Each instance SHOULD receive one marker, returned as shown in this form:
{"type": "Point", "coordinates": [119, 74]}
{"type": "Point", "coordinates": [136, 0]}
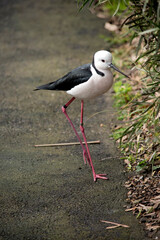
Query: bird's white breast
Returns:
{"type": "Point", "coordinates": [94, 87]}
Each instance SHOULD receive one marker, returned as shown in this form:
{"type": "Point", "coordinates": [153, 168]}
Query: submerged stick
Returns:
{"type": "Point", "coordinates": [66, 144]}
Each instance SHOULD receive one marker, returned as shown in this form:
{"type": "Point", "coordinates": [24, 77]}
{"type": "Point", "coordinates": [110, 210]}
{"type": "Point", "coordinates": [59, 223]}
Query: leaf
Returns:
{"type": "Point", "coordinates": [145, 54]}
{"type": "Point", "coordinates": [156, 197]}
{"type": "Point", "coordinates": [148, 31]}
{"type": "Point", "coordinates": [152, 228]}
{"type": "Point", "coordinates": [139, 45]}
{"type": "Point", "coordinates": [156, 167]}
{"type": "Point", "coordinates": [118, 5]}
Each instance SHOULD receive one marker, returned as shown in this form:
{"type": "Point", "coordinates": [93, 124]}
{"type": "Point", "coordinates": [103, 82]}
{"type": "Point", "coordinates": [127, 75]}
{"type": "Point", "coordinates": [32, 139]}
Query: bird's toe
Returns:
{"type": "Point", "coordinates": [100, 176]}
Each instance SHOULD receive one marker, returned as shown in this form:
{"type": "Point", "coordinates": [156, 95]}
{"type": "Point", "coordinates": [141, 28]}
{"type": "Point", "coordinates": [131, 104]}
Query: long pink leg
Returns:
{"type": "Point", "coordinates": [85, 155]}
{"type": "Point", "coordinates": [95, 176]}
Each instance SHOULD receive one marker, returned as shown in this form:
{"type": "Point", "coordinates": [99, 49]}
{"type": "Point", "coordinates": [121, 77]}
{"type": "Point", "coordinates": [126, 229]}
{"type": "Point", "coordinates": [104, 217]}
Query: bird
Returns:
{"type": "Point", "coordinates": [86, 82]}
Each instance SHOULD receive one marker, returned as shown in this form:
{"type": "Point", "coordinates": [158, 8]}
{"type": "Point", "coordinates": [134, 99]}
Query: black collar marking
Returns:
{"type": "Point", "coordinates": [97, 71]}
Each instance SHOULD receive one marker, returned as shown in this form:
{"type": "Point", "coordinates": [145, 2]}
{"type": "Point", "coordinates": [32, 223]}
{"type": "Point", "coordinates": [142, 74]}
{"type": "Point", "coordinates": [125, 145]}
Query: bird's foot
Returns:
{"type": "Point", "coordinates": [85, 156]}
{"type": "Point", "coordinates": [99, 176]}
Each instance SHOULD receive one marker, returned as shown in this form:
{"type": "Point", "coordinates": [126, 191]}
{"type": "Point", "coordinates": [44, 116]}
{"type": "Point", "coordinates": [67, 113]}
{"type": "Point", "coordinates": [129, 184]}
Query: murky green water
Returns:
{"type": "Point", "coordinates": [48, 193]}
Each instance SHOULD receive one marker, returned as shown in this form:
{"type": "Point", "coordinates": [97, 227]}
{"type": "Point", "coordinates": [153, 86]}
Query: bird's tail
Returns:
{"type": "Point", "coordinates": [48, 86]}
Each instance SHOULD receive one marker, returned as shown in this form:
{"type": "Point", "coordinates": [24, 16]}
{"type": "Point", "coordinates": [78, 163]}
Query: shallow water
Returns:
{"type": "Point", "coordinates": [48, 193]}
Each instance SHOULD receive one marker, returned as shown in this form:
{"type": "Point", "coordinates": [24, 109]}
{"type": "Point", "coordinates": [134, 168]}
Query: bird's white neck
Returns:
{"type": "Point", "coordinates": [101, 73]}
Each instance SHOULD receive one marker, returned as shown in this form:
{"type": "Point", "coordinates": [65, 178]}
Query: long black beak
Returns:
{"type": "Point", "coordinates": [115, 68]}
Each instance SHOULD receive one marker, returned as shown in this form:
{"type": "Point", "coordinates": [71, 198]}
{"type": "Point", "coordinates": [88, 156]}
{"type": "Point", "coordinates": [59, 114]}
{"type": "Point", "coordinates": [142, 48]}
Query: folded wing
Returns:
{"type": "Point", "coordinates": [75, 77]}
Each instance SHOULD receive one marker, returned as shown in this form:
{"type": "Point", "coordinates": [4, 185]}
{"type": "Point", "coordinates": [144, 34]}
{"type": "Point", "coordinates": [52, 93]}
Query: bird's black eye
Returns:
{"type": "Point", "coordinates": [103, 60]}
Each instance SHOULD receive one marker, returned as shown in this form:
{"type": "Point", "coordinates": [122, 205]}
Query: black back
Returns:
{"type": "Point", "coordinates": [75, 77]}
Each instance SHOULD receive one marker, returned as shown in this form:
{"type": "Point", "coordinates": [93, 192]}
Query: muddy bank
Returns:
{"type": "Point", "coordinates": [48, 193]}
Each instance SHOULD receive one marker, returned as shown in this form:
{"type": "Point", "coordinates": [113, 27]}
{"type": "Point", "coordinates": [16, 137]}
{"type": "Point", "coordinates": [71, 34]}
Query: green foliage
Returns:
{"type": "Point", "coordinates": [140, 138]}
{"type": "Point", "coordinates": [122, 93]}
{"type": "Point", "coordinates": [113, 41]}
{"type": "Point", "coordinates": [145, 24]}
{"type": "Point", "coordinates": [114, 6]}
{"type": "Point", "coordinates": [142, 132]}
{"type": "Point", "coordinates": [117, 134]}
{"type": "Point", "coordinates": [83, 3]}
{"type": "Point", "coordinates": [141, 165]}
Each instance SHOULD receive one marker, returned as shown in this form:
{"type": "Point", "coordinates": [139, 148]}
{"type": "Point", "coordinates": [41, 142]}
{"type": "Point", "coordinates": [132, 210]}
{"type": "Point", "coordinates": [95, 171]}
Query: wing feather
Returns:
{"type": "Point", "coordinates": [75, 77]}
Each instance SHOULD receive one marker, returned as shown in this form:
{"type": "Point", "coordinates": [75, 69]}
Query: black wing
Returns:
{"type": "Point", "coordinates": [75, 77]}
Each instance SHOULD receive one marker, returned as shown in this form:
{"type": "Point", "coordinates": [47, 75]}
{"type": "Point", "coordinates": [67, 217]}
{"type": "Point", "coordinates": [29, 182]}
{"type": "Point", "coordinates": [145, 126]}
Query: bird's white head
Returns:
{"type": "Point", "coordinates": [102, 60]}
